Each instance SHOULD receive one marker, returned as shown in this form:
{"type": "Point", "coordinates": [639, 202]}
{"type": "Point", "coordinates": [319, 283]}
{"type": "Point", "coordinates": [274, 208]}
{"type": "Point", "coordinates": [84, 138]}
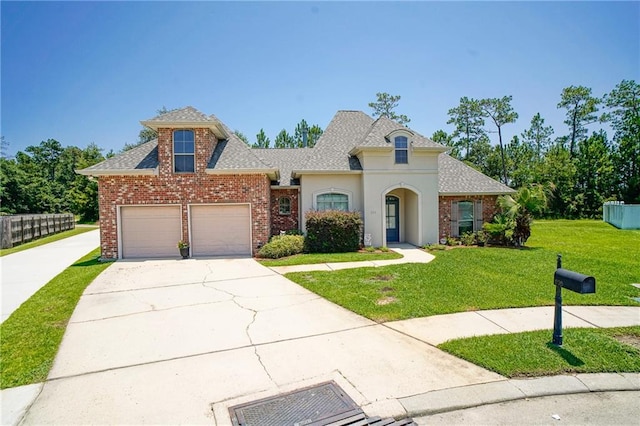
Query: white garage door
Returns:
{"type": "Point", "coordinates": [150, 231]}
{"type": "Point", "coordinates": [221, 230]}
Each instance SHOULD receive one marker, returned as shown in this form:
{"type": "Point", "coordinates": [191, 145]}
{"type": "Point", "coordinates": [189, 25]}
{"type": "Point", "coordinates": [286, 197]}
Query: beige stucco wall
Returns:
{"type": "Point", "coordinates": [415, 184]}
{"type": "Point", "coordinates": [311, 185]}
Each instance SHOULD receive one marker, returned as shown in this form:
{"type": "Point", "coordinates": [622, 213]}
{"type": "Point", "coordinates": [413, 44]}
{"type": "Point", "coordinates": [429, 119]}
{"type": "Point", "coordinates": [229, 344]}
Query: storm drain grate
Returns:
{"type": "Point", "coordinates": [317, 405]}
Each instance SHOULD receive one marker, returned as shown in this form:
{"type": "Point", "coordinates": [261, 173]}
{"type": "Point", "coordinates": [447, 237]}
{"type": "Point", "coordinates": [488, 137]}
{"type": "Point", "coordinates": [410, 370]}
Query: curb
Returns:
{"type": "Point", "coordinates": [452, 399]}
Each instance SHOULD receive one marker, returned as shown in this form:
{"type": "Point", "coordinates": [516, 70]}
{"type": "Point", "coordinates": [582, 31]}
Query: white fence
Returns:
{"type": "Point", "coordinates": [18, 229]}
{"type": "Point", "coordinates": [620, 215]}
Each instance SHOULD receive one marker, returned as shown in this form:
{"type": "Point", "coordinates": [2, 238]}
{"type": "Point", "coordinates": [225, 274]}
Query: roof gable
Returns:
{"type": "Point", "coordinates": [187, 117]}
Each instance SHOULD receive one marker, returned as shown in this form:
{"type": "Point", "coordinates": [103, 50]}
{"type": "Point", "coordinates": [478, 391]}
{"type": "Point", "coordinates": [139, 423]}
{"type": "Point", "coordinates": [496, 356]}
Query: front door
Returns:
{"type": "Point", "coordinates": [393, 219]}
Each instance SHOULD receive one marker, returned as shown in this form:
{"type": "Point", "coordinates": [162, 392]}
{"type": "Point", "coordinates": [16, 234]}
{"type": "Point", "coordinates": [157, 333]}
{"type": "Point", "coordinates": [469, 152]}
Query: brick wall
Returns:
{"type": "Point", "coordinates": [182, 189]}
{"type": "Point", "coordinates": [489, 209]}
{"type": "Point", "coordinates": [280, 222]}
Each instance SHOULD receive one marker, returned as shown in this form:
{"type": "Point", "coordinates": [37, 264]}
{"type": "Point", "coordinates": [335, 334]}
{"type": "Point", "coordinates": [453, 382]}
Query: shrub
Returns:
{"type": "Point", "coordinates": [452, 241]}
{"type": "Point", "coordinates": [432, 247]}
{"type": "Point", "coordinates": [281, 246]}
{"type": "Point", "coordinates": [332, 231]}
{"type": "Point", "coordinates": [500, 231]}
{"type": "Point", "coordinates": [468, 239]}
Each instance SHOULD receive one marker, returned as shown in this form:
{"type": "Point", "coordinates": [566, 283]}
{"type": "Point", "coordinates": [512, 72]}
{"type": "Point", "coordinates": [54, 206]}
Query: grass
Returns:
{"type": "Point", "coordinates": [469, 279]}
{"type": "Point", "coordinates": [584, 350]}
{"type": "Point", "coordinates": [314, 258]}
{"type": "Point", "coordinates": [47, 239]}
{"type": "Point", "coordinates": [32, 334]}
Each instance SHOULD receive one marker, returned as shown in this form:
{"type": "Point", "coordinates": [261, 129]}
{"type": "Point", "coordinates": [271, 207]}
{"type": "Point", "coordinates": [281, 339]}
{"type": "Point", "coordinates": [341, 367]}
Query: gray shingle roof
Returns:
{"type": "Point", "coordinates": [183, 115]}
{"type": "Point", "coordinates": [234, 154]}
{"type": "Point", "coordinates": [331, 152]}
{"type": "Point", "coordinates": [347, 130]}
{"type": "Point", "coordinates": [285, 160]}
{"type": "Point", "coordinates": [375, 137]}
{"type": "Point", "coordinates": [455, 177]}
{"type": "Point", "coordinates": [142, 159]}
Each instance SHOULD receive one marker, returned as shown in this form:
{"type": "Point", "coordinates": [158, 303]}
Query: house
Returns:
{"type": "Point", "coordinates": [199, 182]}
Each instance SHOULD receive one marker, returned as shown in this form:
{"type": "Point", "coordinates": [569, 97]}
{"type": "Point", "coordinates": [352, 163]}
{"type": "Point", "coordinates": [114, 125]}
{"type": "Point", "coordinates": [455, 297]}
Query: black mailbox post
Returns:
{"type": "Point", "coordinates": [573, 281]}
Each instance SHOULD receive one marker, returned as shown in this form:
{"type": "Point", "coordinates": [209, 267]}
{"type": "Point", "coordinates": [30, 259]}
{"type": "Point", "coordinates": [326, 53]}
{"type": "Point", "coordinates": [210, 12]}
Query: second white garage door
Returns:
{"type": "Point", "coordinates": [220, 230]}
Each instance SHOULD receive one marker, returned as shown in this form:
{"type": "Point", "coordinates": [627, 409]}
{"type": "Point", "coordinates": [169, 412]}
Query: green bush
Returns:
{"type": "Point", "coordinates": [468, 239]}
{"type": "Point", "coordinates": [281, 246]}
{"type": "Point", "coordinates": [332, 231]}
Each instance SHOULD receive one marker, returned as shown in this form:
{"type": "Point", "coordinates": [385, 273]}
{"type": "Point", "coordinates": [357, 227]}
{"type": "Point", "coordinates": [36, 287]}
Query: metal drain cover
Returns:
{"type": "Point", "coordinates": [317, 405]}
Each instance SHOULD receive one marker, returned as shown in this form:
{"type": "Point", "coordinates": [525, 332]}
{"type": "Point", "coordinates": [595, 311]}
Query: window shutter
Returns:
{"type": "Point", "coordinates": [477, 216]}
{"type": "Point", "coordinates": [454, 219]}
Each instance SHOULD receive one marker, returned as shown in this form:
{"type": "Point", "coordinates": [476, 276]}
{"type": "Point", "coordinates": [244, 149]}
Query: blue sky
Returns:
{"type": "Point", "coordinates": [83, 72]}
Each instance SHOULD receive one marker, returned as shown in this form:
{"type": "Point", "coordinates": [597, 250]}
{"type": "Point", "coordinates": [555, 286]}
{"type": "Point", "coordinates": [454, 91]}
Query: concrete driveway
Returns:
{"type": "Point", "coordinates": [178, 341]}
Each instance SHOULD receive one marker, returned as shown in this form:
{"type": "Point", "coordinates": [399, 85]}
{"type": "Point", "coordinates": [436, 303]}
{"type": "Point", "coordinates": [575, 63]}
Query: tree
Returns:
{"type": "Point", "coordinates": [315, 132]}
{"type": "Point", "coordinates": [521, 160]}
{"type": "Point", "coordinates": [624, 114]}
{"type": "Point", "coordinates": [242, 136]}
{"type": "Point", "coordinates": [500, 111]}
{"type": "Point", "coordinates": [146, 134]}
{"type": "Point", "coordinates": [558, 172]}
{"type": "Point", "coordinates": [527, 202]}
{"type": "Point", "coordinates": [581, 110]}
{"type": "Point", "coordinates": [467, 117]}
{"type": "Point", "coordinates": [298, 134]}
{"type": "Point", "coordinates": [595, 181]}
{"type": "Point", "coordinates": [46, 155]}
{"type": "Point", "coordinates": [283, 140]}
{"type": "Point", "coordinates": [262, 141]}
{"type": "Point", "coordinates": [446, 139]}
{"type": "Point", "coordinates": [538, 136]}
{"type": "Point", "coordinates": [4, 147]}
{"type": "Point", "coordinates": [385, 105]}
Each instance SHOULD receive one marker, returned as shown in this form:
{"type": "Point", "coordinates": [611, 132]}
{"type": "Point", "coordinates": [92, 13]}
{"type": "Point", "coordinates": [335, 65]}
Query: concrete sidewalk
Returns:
{"type": "Point", "coordinates": [25, 272]}
{"type": "Point", "coordinates": [410, 254]}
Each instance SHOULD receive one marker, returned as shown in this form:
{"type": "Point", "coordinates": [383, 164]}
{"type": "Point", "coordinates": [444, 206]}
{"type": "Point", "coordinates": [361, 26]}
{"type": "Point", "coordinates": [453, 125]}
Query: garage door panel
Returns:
{"type": "Point", "coordinates": [150, 231]}
{"type": "Point", "coordinates": [220, 230]}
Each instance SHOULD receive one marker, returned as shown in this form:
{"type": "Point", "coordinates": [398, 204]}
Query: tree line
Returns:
{"type": "Point", "coordinates": [578, 170]}
{"type": "Point", "coordinates": [43, 180]}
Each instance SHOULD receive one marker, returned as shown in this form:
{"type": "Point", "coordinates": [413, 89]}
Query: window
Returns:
{"type": "Point", "coordinates": [284, 205]}
{"type": "Point", "coordinates": [465, 215]}
{"type": "Point", "coordinates": [402, 153]}
{"type": "Point", "coordinates": [183, 151]}
{"type": "Point", "coordinates": [332, 201]}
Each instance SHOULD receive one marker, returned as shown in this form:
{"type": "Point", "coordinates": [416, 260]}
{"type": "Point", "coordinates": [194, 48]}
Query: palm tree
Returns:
{"type": "Point", "coordinates": [527, 202]}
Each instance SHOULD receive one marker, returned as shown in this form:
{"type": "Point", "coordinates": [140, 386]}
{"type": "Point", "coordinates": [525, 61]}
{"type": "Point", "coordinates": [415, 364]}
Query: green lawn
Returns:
{"type": "Point", "coordinates": [309, 259]}
{"type": "Point", "coordinates": [584, 350]}
{"type": "Point", "coordinates": [468, 279]}
{"type": "Point", "coordinates": [47, 239]}
{"type": "Point", "coordinates": [32, 334]}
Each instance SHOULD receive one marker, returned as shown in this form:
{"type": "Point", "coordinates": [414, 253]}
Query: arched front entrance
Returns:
{"type": "Point", "coordinates": [401, 222]}
{"type": "Point", "coordinates": [392, 211]}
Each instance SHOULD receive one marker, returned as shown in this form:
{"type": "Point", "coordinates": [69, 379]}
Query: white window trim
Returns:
{"type": "Point", "coordinates": [173, 153]}
{"type": "Point", "coordinates": [279, 205]}
{"type": "Point", "coordinates": [346, 192]}
{"type": "Point", "coordinates": [396, 149]}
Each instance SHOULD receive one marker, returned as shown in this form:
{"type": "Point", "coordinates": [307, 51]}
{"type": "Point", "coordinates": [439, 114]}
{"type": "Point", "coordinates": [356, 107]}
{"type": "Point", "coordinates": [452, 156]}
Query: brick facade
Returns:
{"type": "Point", "coordinates": [182, 189]}
{"type": "Point", "coordinates": [284, 222]}
{"type": "Point", "coordinates": [489, 209]}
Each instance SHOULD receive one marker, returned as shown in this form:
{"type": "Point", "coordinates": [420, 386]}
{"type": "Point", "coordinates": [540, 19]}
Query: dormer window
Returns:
{"type": "Point", "coordinates": [401, 144]}
{"type": "Point", "coordinates": [183, 151]}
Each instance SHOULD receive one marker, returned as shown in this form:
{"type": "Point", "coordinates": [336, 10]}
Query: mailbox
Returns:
{"type": "Point", "coordinates": [574, 281]}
